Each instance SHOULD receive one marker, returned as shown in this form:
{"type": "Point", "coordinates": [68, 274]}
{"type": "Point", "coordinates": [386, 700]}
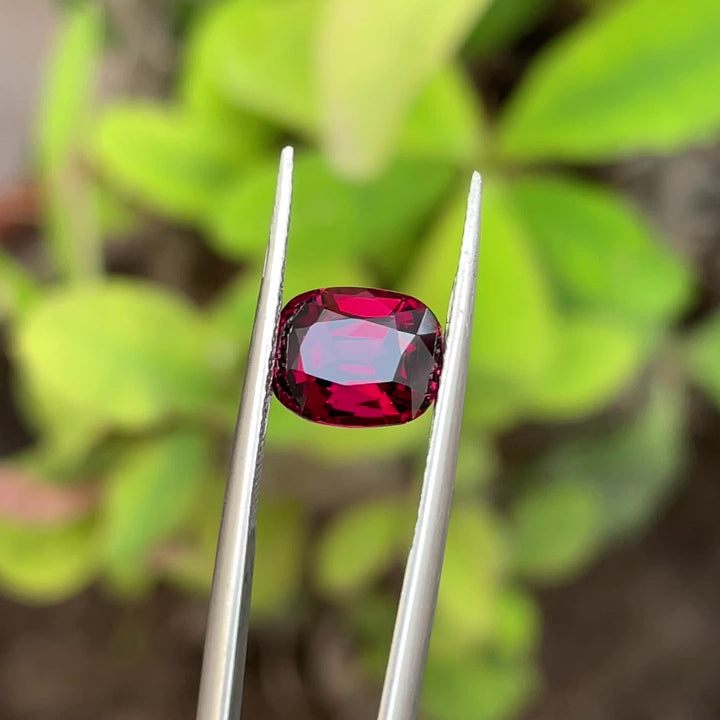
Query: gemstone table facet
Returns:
{"type": "Point", "coordinates": [357, 357]}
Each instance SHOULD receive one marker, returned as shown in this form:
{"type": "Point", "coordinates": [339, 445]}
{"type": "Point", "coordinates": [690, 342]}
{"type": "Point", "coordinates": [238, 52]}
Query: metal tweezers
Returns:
{"type": "Point", "coordinates": [221, 684]}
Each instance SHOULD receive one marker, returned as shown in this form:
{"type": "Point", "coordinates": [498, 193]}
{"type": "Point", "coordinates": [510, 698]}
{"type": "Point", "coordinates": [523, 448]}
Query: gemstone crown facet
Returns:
{"type": "Point", "coordinates": [357, 357]}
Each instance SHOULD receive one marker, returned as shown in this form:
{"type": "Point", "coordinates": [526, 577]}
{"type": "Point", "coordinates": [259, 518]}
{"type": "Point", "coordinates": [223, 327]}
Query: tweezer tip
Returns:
{"type": "Point", "coordinates": [287, 154]}
{"type": "Point", "coordinates": [472, 219]}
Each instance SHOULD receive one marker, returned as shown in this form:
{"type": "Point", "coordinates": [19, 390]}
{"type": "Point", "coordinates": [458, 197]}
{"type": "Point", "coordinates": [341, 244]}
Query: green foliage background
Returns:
{"type": "Point", "coordinates": [131, 388]}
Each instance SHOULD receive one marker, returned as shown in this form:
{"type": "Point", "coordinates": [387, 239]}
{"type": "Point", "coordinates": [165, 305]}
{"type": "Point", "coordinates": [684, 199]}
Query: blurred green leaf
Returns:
{"type": "Point", "coordinates": [359, 545]}
{"type": "Point", "coordinates": [373, 619]}
{"type": "Point", "coordinates": [18, 290]}
{"type": "Point", "coordinates": [47, 564]}
{"type": "Point", "coordinates": [558, 527]}
{"type": "Point", "coordinates": [491, 402]}
{"type": "Point", "coordinates": [631, 79]}
{"type": "Point", "coordinates": [116, 216]}
{"type": "Point", "coordinates": [482, 689]}
{"type": "Point", "coordinates": [636, 469]}
{"type": "Point", "coordinates": [129, 582]}
{"type": "Point", "coordinates": [477, 463]}
{"type": "Point", "coordinates": [632, 469]}
{"type": "Point", "coordinates": [261, 58]}
{"type": "Point", "coordinates": [332, 217]}
{"type": "Point", "coordinates": [475, 557]}
{"type": "Point", "coordinates": [595, 359]}
{"type": "Point", "coordinates": [70, 202]}
{"type": "Point", "coordinates": [705, 357]}
{"type": "Point", "coordinates": [70, 85]}
{"type": "Point", "coordinates": [328, 444]}
{"type": "Point", "coordinates": [394, 49]}
{"type": "Point", "coordinates": [257, 54]}
{"type": "Point", "coordinates": [230, 321]}
{"type": "Point", "coordinates": [62, 446]}
{"type": "Point", "coordinates": [514, 317]}
{"type": "Point", "coordinates": [201, 95]}
{"type": "Point", "coordinates": [279, 556]}
{"type": "Point", "coordinates": [72, 224]}
{"type": "Point", "coordinates": [445, 122]}
{"type": "Point", "coordinates": [503, 22]}
{"type": "Point", "coordinates": [599, 252]}
{"type": "Point", "coordinates": [123, 353]}
{"type": "Point", "coordinates": [150, 492]}
{"type": "Point", "coordinates": [167, 158]}
{"type": "Point", "coordinates": [517, 624]}
{"type": "Point", "coordinates": [189, 563]}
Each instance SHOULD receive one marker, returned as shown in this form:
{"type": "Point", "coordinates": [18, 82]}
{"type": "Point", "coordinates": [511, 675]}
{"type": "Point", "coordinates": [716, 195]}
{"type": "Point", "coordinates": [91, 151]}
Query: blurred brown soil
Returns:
{"type": "Point", "coordinates": [637, 638]}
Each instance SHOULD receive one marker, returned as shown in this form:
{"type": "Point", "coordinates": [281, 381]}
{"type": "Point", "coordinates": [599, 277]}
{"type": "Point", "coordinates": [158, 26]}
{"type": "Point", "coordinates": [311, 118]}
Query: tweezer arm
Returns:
{"type": "Point", "coordinates": [411, 639]}
{"type": "Point", "coordinates": [221, 682]}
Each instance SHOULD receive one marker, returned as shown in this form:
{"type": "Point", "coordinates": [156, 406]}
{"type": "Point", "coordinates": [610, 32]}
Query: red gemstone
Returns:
{"type": "Point", "coordinates": [357, 357]}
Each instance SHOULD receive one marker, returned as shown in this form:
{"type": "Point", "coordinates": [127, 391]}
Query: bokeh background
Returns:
{"type": "Point", "coordinates": [139, 142]}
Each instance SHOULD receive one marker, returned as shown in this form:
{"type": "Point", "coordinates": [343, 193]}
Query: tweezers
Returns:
{"type": "Point", "coordinates": [222, 677]}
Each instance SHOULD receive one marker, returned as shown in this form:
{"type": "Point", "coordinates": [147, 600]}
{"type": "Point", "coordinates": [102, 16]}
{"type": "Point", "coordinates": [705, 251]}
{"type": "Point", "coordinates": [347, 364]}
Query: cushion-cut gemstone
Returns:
{"type": "Point", "coordinates": [357, 357]}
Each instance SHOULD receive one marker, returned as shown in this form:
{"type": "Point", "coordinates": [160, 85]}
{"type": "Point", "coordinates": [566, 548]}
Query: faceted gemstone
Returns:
{"type": "Point", "coordinates": [357, 357]}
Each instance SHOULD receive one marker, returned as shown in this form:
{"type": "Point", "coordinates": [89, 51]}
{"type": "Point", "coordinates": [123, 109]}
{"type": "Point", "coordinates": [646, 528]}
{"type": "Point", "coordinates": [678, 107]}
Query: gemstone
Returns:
{"type": "Point", "coordinates": [357, 357]}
